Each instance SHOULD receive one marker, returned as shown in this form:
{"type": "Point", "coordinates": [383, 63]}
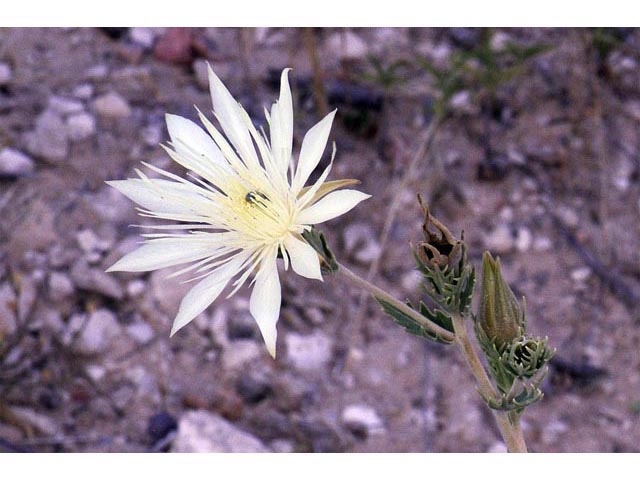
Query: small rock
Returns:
{"type": "Point", "coordinates": [43, 423]}
{"type": "Point", "coordinates": [523, 239]}
{"type": "Point", "coordinates": [282, 446]}
{"type": "Point", "coordinates": [201, 72]}
{"type": "Point", "coordinates": [410, 281]}
{"type": "Point", "coordinates": [28, 292]}
{"type": "Point", "coordinates": [87, 240]}
{"type": "Point", "coordinates": [141, 332]}
{"type": "Point", "coordinates": [253, 388]}
{"type": "Point", "coordinates": [361, 241]}
{"type": "Point", "coordinates": [51, 320]}
{"type": "Point", "coordinates": [240, 353]}
{"type": "Point", "coordinates": [112, 105]}
{"type": "Point", "coordinates": [241, 325]}
{"type": "Point", "coordinates": [309, 352]}
{"type": "Point", "coordinates": [74, 325]}
{"type": "Point", "coordinates": [461, 102]}
{"type": "Point", "coordinates": [14, 163]}
{"type": "Point", "coordinates": [123, 396]}
{"type": "Point", "coordinates": [49, 138]}
{"type": "Point", "coordinates": [553, 430]}
{"type": "Point", "coordinates": [143, 36]}
{"type": "Point", "coordinates": [322, 436]}
{"type": "Point", "coordinates": [175, 46]}
{"type": "Point", "coordinates": [6, 73]}
{"type": "Point", "coordinates": [160, 425]}
{"type": "Point", "coordinates": [83, 91]}
{"type": "Point", "coordinates": [95, 280]}
{"type": "Point", "coordinates": [60, 286]}
{"type": "Point", "coordinates": [569, 216]}
{"type": "Point", "coordinates": [506, 213]}
{"type": "Point", "coordinates": [168, 292]}
{"type": "Point", "coordinates": [347, 45]}
{"type": "Point", "coordinates": [202, 432]}
{"type": "Point", "coordinates": [131, 53]}
{"type": "Point", "coordinates": [580, 274]}
{"type": "Point", "coordinates": [152, 135]}
{"type": "Point", "coordinates": [81, 126]}
{"type": "Point", "coordinates": [8, 306]}
{"type": "Point", "coordinates": [101, 329]}
{"type": "Point", "coordinates": [95, 372]}
{"type": "Point", "coordinates": [542, 244]}
{"type": "Point", "coordinates": [65, 106]}
{"type": "Point", "coordinates": [498, 447]}
{"type": "Point", "coordinates": [315, 315]}
{"type": "Point", "coordinates": [97, 72]}
{"type": "Point", "coordinates": [500, 40]}
{"type": "Point", "coordinates": [500, 240]}
{"type": "Point", "coordinates": [136, 287]}
{"type": "Point", "coordinates": [362, 420]}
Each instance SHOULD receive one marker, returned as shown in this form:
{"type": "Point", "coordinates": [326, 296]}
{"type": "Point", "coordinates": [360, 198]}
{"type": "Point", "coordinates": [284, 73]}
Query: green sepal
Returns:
{"type": "Point", "coordinates": [450, 288]}
{"type": "Point", "coordinates": [317, 240]}
{"type": "Point", "coordinates": [518, 368]}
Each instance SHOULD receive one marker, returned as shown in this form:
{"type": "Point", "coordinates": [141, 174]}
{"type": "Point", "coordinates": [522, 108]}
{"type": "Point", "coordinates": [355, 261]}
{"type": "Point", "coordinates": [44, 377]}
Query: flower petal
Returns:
{"type": "Point", "coordinates": [282, 124]}
{"type": "Point", "coordinates": [228, 112]}
{"type": "Point", "coordinates": [304, 259]}
{"type": "Point", "coordinates": [162, 253]}
{"type": "Point", "coordinates": [264, 304]}
{"type": "Point", "coordinates": [313, 146]}
{"type": "Point", "coordinates": [189, 139]}
{"type": "Point", "coordinates": [205, 292]}
{"type": "Point", "coordinates": [331, 206]}
{"type": "Point", "coordinates": [163, 196]}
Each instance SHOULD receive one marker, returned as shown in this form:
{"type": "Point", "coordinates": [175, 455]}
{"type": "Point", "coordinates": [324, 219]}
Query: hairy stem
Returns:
{"type": "Point", "coordinates": [509, 425]}
{"type": "Point", "coordinates": [383, 295]}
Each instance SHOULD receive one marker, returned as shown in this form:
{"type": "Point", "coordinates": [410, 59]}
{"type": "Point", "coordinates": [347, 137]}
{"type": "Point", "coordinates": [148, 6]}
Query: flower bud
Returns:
{"type": "Point", "coordinates": [440, 248]}
{"type": "Point", "coordinates": [500, 315]}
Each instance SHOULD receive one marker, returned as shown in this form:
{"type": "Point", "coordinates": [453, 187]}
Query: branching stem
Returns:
{"type": "Point", "coordinates": [508, 423]}
{"type": "Point", "coordinates": [383, 295]}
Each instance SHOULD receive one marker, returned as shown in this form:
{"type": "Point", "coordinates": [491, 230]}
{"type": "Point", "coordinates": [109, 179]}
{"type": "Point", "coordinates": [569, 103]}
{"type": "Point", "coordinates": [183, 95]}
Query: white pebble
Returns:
{"type": "Point", "coordinates": [112, 105]}
{"type": "Point", "coordinates": [580, 274]}
{"type": "Point", "coordinates": [15, 163]}
{"type": "Point", "coordinates": [81, 126]}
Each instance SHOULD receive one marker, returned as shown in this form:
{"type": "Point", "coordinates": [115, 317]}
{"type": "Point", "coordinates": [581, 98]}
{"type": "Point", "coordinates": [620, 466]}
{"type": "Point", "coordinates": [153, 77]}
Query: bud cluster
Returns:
{"type": "Point", "coordinates": [517, 362]}
{"type": "Point", "coordinates": [449, 278]}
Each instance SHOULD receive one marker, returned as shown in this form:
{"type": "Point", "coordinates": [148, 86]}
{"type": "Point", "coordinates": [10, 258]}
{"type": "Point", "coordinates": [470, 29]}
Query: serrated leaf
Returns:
{"type": "Point", "coordinates": [437, 316]}
{"type": "Point", "coordinates": [408, 323]}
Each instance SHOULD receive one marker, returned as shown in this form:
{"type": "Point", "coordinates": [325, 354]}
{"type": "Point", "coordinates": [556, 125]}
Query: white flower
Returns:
{"type": "Point", "coordinates": [245, 204]}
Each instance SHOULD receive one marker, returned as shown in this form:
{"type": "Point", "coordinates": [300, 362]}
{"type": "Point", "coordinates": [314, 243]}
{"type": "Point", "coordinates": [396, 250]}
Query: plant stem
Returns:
{"type": "Point", "coordinates": [509, 424]}
{"type": "Point", "coordinates": [381, 294]}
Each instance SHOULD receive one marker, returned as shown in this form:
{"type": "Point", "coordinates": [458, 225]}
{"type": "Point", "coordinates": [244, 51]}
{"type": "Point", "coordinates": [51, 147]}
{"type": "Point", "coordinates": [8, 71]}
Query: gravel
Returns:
{"type": "Point", "coordinates": [204, 432]}
{"type": "Point", "coordinates": [14, 163]}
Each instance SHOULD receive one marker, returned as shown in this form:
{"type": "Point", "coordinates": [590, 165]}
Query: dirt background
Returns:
{"type": "Point", "coordinates": [541, 167]}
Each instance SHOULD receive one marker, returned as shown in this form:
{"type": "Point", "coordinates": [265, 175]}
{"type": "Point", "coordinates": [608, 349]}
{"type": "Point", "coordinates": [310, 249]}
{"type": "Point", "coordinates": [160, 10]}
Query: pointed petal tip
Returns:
{"type": "Point", "coordinates": [116, 267]}
{"type": "Point", "coordinates": [174, 330]}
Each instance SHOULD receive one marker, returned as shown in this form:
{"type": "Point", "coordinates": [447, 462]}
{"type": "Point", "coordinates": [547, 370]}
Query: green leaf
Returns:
{"type": "Point", "coordinates": [410, 324]}
{"type": "Point", "coordinates": [437, 316]}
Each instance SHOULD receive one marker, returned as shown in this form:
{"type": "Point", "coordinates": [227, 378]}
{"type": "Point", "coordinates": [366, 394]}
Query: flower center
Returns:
{"type": "Point", "coordinates": [259, 216]}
